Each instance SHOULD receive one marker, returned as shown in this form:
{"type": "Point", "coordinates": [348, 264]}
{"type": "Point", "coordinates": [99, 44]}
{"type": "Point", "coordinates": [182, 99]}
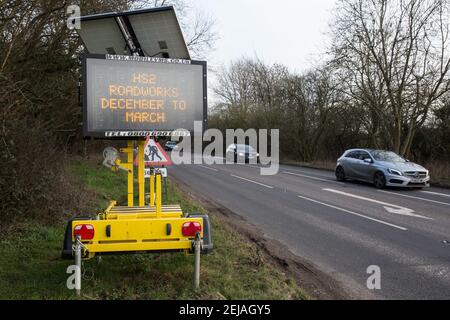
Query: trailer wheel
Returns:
{"type": "Point", "coordinates": [67, 253]}
{"type": "Point", "coordinates": [207, 246]}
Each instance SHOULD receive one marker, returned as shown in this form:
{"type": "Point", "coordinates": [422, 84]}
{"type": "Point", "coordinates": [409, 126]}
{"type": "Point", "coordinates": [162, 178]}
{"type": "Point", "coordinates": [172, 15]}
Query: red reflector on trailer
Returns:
{"type": "Point", "coordinates": [191, 228]}
{"type": "Point", "coordinates": [84, 231]}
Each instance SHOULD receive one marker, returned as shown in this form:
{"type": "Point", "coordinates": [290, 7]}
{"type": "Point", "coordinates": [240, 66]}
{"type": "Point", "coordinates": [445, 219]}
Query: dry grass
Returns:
{"type": "Point", "coordinates": [317, 164]}
{"type": "Point", "coordinates": [31, 267]}
{"type": "Point", "coordinates": [440, 172]}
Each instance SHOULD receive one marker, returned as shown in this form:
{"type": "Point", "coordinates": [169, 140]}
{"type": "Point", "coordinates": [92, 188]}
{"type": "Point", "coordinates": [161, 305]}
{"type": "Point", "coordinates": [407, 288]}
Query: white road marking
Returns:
{"type": "Point", "coordinates": [312, 171]}
{"type": "Point", "coordinates": [354, 213]}
{"type": "Point", "coordinates": [251, 166]}
{"type": "Point", "coordinates": [392, 208]}
{"type": "Point", "coordinates": [423, 199]}
{"type": "Point", "coordinates": [437, 193]}
{"type": "Point", "coordinates": [311, 177]}
{"type": "Point", "coordinates": [212, 169]}
{"type": "Point", "coordinates": [261, 184]}
{"type": "Point", "coordinates": [244, 165]}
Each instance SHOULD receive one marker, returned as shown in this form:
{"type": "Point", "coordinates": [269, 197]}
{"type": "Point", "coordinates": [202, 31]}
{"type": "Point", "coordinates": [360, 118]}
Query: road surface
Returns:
{"type": "Point", "coordinates": [341, 228]}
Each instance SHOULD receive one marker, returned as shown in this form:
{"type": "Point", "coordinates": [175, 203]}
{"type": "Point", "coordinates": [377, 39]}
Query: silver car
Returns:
{"type": "Point", "coordinates": [382, 168]}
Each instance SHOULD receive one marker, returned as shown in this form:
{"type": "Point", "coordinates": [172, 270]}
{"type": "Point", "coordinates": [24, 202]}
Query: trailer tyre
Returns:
{"type": "Point", "coordinates": [207, 238]}
{"type": "Point", "coordinates": [67, 245]}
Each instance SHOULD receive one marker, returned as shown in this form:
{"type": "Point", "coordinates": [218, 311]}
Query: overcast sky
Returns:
{"type": "Point", "coordinates": [292, 32]}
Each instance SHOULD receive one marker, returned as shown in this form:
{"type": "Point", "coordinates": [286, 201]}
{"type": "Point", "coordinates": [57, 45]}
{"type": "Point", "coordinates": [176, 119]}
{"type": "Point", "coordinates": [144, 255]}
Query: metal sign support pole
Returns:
{"type": "Point", "coordinates": [130, 174]}
{"type": "Point", "coordinates": [77, 253]}
{"type": "Point", "coordinates": [158, 195]}
{"type": "Point", "coordinates": [197, 248]}
{"type": "Point", "coordinates": [141, 169]}
{"type": "Point", "coordinates": [152, 187]}
{"type": "Point", "coordinates": [165, 188]}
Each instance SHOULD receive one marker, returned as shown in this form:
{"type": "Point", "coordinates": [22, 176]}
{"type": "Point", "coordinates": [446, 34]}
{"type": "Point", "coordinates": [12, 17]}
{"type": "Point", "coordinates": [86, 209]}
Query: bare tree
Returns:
{"type": "Point", "coordinates": [394, 59]}
{"type": "Point", "coordinates": [311, 100]}
{"type": "Point", "coordinates": [38, 105]}
{"type": "Point", "coordinates": [255, 95]}
{"type": "Point", "coordinates": [200, 28]}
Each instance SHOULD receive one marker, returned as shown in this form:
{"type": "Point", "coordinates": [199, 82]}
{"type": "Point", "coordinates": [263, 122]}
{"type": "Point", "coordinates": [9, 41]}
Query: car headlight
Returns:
{"type": "Point", "coordinates": [241, 154]}
{"type": "Point", "coordinates": [396, 172]}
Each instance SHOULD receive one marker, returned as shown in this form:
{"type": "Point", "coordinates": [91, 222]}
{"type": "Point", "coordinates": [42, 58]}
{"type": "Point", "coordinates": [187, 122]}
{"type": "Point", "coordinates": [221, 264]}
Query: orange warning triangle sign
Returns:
{"type": "Point", "coordinates": [154, 155]}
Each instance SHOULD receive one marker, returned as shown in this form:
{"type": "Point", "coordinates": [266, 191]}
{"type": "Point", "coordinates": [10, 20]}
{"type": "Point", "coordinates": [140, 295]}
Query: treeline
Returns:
{"type": "Point", "coordinates": [40, 116]}
{"type": "Point", "coordinates": [385, 84]}
{"type": "Point", "coordinates": [40, 113]}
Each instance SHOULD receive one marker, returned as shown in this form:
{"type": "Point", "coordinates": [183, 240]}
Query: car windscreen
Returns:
{"type": "Point", "coordinates": [388, 156]}
{"type": "Point", "coordinates": [244, 148]}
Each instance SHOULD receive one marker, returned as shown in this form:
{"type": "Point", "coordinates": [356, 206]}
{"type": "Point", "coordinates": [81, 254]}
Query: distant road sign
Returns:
{"type": "Point", "coordinates": [154, 155]}
{"type": "Point", "coordinates": [130, 97]}
{"type": "Point", "coordinates": [162, 171]}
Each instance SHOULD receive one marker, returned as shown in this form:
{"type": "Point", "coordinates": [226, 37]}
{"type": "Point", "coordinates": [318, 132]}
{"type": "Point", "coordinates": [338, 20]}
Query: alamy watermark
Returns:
{"type": "Point", "coordinates": [74, 280]}
{"type": "Point", "coordinates": [253, 146]}
{"type": "Point", "coordinates": [374, 280]}
{"type": "Point", "coordinates": [74, 13]}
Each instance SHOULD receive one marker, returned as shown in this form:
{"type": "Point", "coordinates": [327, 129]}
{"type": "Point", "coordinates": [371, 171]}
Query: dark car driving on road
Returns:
{"type": "Point", "coordinates": [382, 168]}
{"type": "Point", "coordinates": [241, 153]}
{"type": "Point", "coordinates": [170, 145]}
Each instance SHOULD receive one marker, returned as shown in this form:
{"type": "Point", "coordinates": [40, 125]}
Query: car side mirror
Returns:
{"type": "Point", "coordinates": [368, 160]}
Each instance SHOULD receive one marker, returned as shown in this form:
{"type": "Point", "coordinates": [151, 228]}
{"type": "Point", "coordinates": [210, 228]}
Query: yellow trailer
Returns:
{"type": "Point", "coordinates": [117, 58]}
{"type": "Point", "coordinates": [144, 228]}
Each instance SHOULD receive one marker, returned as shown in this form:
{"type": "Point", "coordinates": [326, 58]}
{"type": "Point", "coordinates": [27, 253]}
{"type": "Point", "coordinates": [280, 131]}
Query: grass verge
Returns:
{"type": "Point", "coordinates": [31, 268]}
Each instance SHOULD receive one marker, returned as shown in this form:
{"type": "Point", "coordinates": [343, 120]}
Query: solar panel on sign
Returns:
{"type": "Point", "coordinates": [154, 29]}
{"type": "Point", "coordinates": [154, 32]}
{"type": "Point", "coordinates": [103, 36]}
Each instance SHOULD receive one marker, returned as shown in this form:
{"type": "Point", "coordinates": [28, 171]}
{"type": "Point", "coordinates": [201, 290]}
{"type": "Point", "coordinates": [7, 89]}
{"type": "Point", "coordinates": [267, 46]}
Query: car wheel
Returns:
{"type": "Point", "coordinates": [379, 180]}
{"type": "Point", "coordinates": [340, 174]}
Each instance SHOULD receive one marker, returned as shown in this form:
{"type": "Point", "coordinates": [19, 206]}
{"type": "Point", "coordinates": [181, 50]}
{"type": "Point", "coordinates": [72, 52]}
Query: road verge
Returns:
{"type": "Point", "coordinates": [31, 266]}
